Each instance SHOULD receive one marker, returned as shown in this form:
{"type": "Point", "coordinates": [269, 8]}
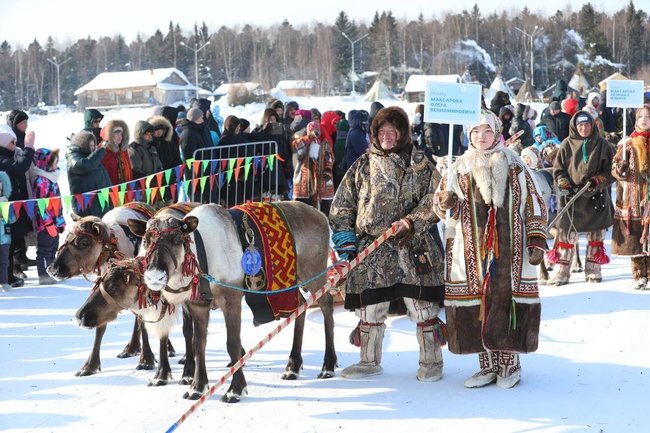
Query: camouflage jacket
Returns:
{"type": "Point", "coordinates": [376, 191]}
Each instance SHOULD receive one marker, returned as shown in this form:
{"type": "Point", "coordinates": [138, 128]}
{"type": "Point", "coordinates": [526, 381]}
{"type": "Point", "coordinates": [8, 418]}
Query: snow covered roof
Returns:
{"type": "Point", "coordinates": [296, 84]}
{"type": "Point", "coordinates": [225, 87]}
{"type": "Point", "coordinates": [418, 83]}
{"type": "Point", "coordinates": [615, 76]}
{"type": "Point", "coordinates": [145, 78]}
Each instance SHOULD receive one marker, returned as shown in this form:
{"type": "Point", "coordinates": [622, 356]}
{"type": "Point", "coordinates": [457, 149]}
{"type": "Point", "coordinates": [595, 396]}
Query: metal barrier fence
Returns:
{"type": "Point", "coordinates": [238, 173]}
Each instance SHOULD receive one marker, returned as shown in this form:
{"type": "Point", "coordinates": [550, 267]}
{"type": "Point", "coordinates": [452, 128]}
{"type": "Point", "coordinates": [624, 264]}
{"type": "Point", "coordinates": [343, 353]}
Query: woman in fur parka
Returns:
{"type": "Point", "coordinates": [496, 237]}
{"type": "Point", "coordinates": [631, 211]}
{"type": "Point", "coordinates": [115, 136]}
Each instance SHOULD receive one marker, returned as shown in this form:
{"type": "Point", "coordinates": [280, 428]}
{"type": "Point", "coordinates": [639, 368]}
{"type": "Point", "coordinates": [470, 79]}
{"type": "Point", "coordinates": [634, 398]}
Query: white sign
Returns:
{"type": "Point", "coordinates": [453, 103]}
{"type": "Point", "coordinates": [625, 93]}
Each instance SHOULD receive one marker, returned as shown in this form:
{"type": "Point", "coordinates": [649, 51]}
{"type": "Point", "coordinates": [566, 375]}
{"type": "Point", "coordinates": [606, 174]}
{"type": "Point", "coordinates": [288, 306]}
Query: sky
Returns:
{"type": "Point", "coordinates": [21, 22]}
{"type": "Point", "coordinates": [589, 374]}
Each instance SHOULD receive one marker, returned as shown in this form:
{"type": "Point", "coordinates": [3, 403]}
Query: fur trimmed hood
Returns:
{"type": "Point", "coordinates": [108, 137]}
{"type": "Point", "coordinates": [158, 121]}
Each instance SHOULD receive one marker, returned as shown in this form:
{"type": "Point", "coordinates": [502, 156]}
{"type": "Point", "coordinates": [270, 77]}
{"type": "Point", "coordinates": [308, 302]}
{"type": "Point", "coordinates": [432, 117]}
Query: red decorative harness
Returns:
{"type": "Point", "coordinates": [190, 267]}
{"type": "Point", "coordinates": [109, 249]}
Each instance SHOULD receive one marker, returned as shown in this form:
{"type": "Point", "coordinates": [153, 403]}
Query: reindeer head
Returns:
{"type": "Point", "coordinates": [119, 288]}
{"type": "Point", "coordinates": [166, 248]}
{"type": "Point", "coordinates": [81, 251]}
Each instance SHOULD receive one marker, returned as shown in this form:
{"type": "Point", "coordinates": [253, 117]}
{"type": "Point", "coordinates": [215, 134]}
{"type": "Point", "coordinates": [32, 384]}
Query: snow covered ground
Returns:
{"type": "Point", "coordinates": [590, 373]}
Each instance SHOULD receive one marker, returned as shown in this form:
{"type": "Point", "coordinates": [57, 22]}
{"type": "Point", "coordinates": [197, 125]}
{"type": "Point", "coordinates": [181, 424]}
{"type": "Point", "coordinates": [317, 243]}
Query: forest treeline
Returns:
{"type": "Point", "coordinates": [469, 43]}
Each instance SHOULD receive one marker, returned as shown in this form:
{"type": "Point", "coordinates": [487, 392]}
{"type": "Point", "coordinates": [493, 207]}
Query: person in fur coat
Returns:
{"type": "Point", "coordinates": [496, 235]}
{"type": "Point", "coordinates": [391, 185]}
{"type": "Point", "coordinates": [632, 211]}
{"type": "Point", "coordinates": [584, 157]}
{"type": "Point", "coordinates": [115, 136]}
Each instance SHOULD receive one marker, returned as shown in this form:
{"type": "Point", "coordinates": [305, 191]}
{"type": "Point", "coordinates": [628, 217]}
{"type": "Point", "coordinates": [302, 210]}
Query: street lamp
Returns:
{"type": "Point", "coordinates": [352, 75]}
{"type": "Point", "coordinates": [58, 78]}
{"type": "Point", "coordinates": [532, 37]}
{"type": "Point", "coordinates": [196, 62]}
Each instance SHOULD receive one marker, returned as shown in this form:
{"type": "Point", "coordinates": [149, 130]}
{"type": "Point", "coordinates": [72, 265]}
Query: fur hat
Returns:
{"type": "Point", "coordinates": [397, 117]}
{"type": "Point", "coordinates": [487, 118]}
{"type": "Point", "coordinates": [82, 139]}
{"type": "Point", "coordinates": [7, 135]}
{"type": "Point", "coordinates": [195, 115]}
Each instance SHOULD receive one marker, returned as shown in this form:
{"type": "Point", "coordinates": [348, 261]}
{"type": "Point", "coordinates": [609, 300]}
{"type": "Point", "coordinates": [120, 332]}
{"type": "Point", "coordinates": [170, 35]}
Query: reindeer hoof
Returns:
{"type": "Point", "coordinates": [230, 398]}
{"type": "Point", "coordinates": [185, 380]}
{"type": "Point", "coordinates": [192, 395]}
{"type": "Point", "coordinates": [290, 375]}
{"type": "Point", "coordinates": [158, 382]}
{"type": "Point", "coordinates": [87, 371]}
{"type": "Point", "coordinates": [128, 353]}
{"type": "Point", "coordinates": [145, 366]}
{"type": "Point", "coordinates": [326, 374]}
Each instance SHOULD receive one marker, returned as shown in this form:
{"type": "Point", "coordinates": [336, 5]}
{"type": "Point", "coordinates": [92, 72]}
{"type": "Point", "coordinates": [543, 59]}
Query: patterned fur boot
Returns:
{"type": "Point", "coordinates": [372, 336]}
{"type": "Point", "coordinates": [430, 353]}
{"type": "Point", "coordinates": [509, 370]}
{"type": "Point", "coordinates": [488, 372]}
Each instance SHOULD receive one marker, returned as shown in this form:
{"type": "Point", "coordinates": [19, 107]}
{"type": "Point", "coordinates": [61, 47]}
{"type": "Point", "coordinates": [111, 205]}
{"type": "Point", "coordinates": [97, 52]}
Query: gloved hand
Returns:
{"type": "Point", "coordinates": [596, 182]}
{"type": "Point", "coordinates": [622, 168]}
{"type": "Point", "coordinates": [405, 231]}
{"type": "Point", "coordinates": [447, 199]}
{"type": "Point", "coordinates": [563, 183]}
{"type": "Point", "coordinates": [535, 256]}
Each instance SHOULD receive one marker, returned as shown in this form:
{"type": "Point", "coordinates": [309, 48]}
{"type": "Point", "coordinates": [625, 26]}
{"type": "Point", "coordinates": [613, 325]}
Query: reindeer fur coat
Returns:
{"type": "Point", "coordinates": [492, 307]}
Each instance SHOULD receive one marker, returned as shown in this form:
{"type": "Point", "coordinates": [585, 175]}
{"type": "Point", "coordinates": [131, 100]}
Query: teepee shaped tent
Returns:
{"type": "Point", "coordinates": [527, 93]}
{"type": "Point", "coordinates": [498, 84]}
{"type": "Point", "coordinates": [579, 81]}
{"type": "Point", "coordinates": [379, 91]}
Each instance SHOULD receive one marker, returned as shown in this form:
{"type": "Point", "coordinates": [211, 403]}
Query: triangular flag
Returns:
{"type": "Point", "coordinates": [203, 180]}
{"type": "Point", "coordinates": [222, 175]}
{"type": "Point", "coordinates": [224, 164]}
{"type": "Point", "coordinates": [177, 171]}
{"type": "Point", "coordinates": [213, 167]}
{"type": "Point", "coordinates": [172, 190]}
{"type": "Point", "coordinates": [204, 165]}
{"type": "Point", "coordinates": [123, 187]}
{"type": "Point", "coordinates": [143, 184]}
{"type": "Point", "coordinates": [168, 175]}
{"type": "Point", "coordinates": [67, 202]}
{"type": "Point", "coordinates": [212, 179]}
{"type": "Point", "coordinates": [28, 205]}
{"type": "Point", "coordinates": [271, 162]}
{"type": "Point", "coordinates": [103, 197]}
{"type": "Point", "coordinates": [229, 176]}
{"type": "Point", "coordinates": [186, 187]}
{"type": "Point", "coordinates": [162, 190]}
{"type": "Point", "coordinates": [81, 201]}
{"type": "Point", "coordinates": [147, 193]}
{"type": "Point", "coordinates": [137, 195]}
{"type": "Point", "coordinates": [247, 168]}
{"type": "Point", "coordinates": [114, 191]}
{"type": "Point", "coordinates": [154, 191]}
{"type": "Point", "coordinates": [55, 205]}
{"type": "Point", "coordinates": [195, 168]}
{"type": "Point", "coordinates": [4, 211]}
{"type": "Point", "coordinates": [149, 179]}
{"type": "Point", "coordinates": [132, 185]}
{"type": "Point", "coordinates": [42, 207]}
{"type": "Point", "coordinates": [195, 181]}
{"type": "Point", "coordinates": [159, 177]}
{"type": "Point", "coordinates": [121, 195]}
{"type": "Point", "coordinates": [130, 196]}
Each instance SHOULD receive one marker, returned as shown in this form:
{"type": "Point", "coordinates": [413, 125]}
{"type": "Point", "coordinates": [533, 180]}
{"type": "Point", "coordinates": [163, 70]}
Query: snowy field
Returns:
{"type": "Point", "coordinates": [590, 373]}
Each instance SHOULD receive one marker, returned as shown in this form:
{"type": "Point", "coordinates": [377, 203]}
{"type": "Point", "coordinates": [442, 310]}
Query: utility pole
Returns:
{"type": "Point", "coordinates": [532, 46]}
{"type": "Point", "coordinates": [353, 74]}
{"type": "Point", "coordinates": [58, 77]}
{"type": "Point", "coordinates": [196, 62]}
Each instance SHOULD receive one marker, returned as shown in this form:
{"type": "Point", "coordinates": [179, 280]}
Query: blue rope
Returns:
{"type": "Point", "coordinates": [342, 238]}
{"type": "Point", "coordinates": [211, 279]}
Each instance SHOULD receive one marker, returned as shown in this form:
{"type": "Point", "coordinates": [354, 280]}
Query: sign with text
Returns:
{"type": "Point", "coordinates": [453, 103]}
{"type": "Point", "coordinates": [625, 93]}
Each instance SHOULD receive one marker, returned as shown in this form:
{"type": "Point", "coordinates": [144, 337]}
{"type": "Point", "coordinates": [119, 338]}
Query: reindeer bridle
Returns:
{"type": "Point", "coordinates": [190, 267]}
{"type": "Point", "coordinates": [146, 297]}
{"type": "Point", "coordinates": [108, 251]}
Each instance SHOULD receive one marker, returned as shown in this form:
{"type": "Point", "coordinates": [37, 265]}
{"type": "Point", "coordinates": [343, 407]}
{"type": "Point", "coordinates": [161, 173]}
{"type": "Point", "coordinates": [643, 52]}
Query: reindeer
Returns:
{"type": "Point", "coordinates": [101, 306]}
{"type": "Point", "coordinates": [86, 251]}
{"type": "Point", "coordinates": [170, 249]}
